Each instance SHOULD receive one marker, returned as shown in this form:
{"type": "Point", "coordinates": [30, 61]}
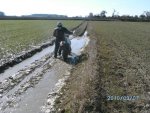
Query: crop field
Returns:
{"type": "Point", "coordinates": [124, 67]}
{"type": "Point", "coordinates": [115, 64]}
{"type": "Point", "coordinates": [20, 35]}
{"type": "Point", "coordinates": [117, 67]}
{"type": "Point", "coordinates": [135, 36]}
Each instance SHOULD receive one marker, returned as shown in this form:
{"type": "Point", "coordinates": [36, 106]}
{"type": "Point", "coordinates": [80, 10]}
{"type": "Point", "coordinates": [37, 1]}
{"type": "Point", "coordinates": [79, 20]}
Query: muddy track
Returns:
{"type": "Point", "coordinates": [80, 29]}
{"type": "Point", "coordinates": [35, 81]}
{"type": "Point", "coordinates": [16, 85]}
{"type": "Point", "coordinates": [24, 56]}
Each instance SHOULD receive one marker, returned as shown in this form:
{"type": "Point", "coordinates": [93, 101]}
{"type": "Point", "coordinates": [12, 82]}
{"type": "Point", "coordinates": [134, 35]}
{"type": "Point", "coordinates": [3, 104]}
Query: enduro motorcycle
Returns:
{"type": "Point", "coordinates": [65, 50]}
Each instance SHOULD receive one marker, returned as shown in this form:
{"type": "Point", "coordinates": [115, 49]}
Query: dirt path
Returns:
{"type": "Point", "coordinates": [32, 85]}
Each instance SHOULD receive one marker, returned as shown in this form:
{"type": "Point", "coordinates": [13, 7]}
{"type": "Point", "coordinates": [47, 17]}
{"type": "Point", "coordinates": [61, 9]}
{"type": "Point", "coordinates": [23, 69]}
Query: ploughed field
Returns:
{"type": "Point", "coordinates": [17, 36]}
{"type": "Point", "coordinates": [124, 65]}
{"type": "Point", "coordinates": [114, 76]}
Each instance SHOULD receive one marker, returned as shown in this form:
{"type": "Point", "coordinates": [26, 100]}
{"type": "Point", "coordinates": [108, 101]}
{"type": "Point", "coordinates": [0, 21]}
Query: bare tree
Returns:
{"type": "Point", "coordinates": [142, 16]}
{"type": "Point", "coordinates": [147, 14]}
{"type": "Point", "coordinates": [103, 13]}
{"type": "Point", "coordinates": [113, 14]}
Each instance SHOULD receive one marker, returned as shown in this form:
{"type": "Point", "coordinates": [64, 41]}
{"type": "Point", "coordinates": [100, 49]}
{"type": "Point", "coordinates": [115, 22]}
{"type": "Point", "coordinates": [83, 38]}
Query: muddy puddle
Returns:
{"type": "Point", "coordinates": [32, 85]}
{"type": "Point", "coordinates": [77, 44]}
{"type": "Point", "coordinates": [12, 70]}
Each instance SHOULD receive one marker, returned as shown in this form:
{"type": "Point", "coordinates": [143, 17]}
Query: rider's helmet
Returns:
{"type": "Point", "coordinates": [59, 24]}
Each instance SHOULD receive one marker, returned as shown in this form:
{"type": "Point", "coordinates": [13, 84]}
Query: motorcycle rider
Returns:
{"type": "Point", "coordinates": [59, 33]}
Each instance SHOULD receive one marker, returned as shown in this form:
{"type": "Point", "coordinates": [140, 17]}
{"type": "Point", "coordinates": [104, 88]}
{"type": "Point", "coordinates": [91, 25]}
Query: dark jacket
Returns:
{"type": "Point", "coordinates": [60, 32]}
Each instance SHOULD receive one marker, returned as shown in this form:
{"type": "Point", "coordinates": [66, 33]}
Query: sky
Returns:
{"type": "Point", "coordinates": [73, 7]}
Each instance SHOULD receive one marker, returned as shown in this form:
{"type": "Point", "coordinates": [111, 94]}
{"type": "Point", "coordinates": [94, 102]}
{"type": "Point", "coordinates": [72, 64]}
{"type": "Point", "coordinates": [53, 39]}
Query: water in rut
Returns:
{"type": "Point", "coordinates": [25, 86]}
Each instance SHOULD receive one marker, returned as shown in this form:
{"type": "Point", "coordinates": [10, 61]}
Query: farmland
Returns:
{"type": "Point", "coordinates": [114, 63]}
{"type": "Point", "coordinates": [20, 35]}
{"type": "Point", "coordinates": [42, 74]}
{"type": "Point", "coordinates": [123, 49]}
{"type": "Point", "coordinates": [118, 65]}
{"type": "Point", "coordinates": [133, 36]}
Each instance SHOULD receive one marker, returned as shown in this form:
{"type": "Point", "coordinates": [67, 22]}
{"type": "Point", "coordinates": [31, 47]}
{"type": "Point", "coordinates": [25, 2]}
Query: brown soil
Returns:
{"type": "Point", "coordinates": [81, 92]}
{"type": "Point", "coordinates": [106, 70]}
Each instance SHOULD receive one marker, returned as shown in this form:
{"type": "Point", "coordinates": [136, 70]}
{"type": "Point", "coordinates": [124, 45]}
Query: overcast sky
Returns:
{"type": "Point", "coordinates": [73, 7]}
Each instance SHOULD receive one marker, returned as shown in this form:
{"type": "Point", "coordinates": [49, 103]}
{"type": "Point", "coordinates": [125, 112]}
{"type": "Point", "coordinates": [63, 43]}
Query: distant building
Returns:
{"type": "Point", "coordinates": [2, 14]}
{"type": "Point", "coordinates": [46, 16]}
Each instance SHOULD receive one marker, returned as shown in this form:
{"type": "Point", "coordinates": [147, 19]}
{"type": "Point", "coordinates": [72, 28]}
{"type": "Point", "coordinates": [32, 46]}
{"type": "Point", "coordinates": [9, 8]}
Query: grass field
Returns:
{"type": "Point", "coordinates": [21, 35]}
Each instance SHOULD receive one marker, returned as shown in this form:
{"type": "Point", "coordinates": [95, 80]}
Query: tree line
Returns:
{"type": "Point", "coordinates": [145, 16]}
